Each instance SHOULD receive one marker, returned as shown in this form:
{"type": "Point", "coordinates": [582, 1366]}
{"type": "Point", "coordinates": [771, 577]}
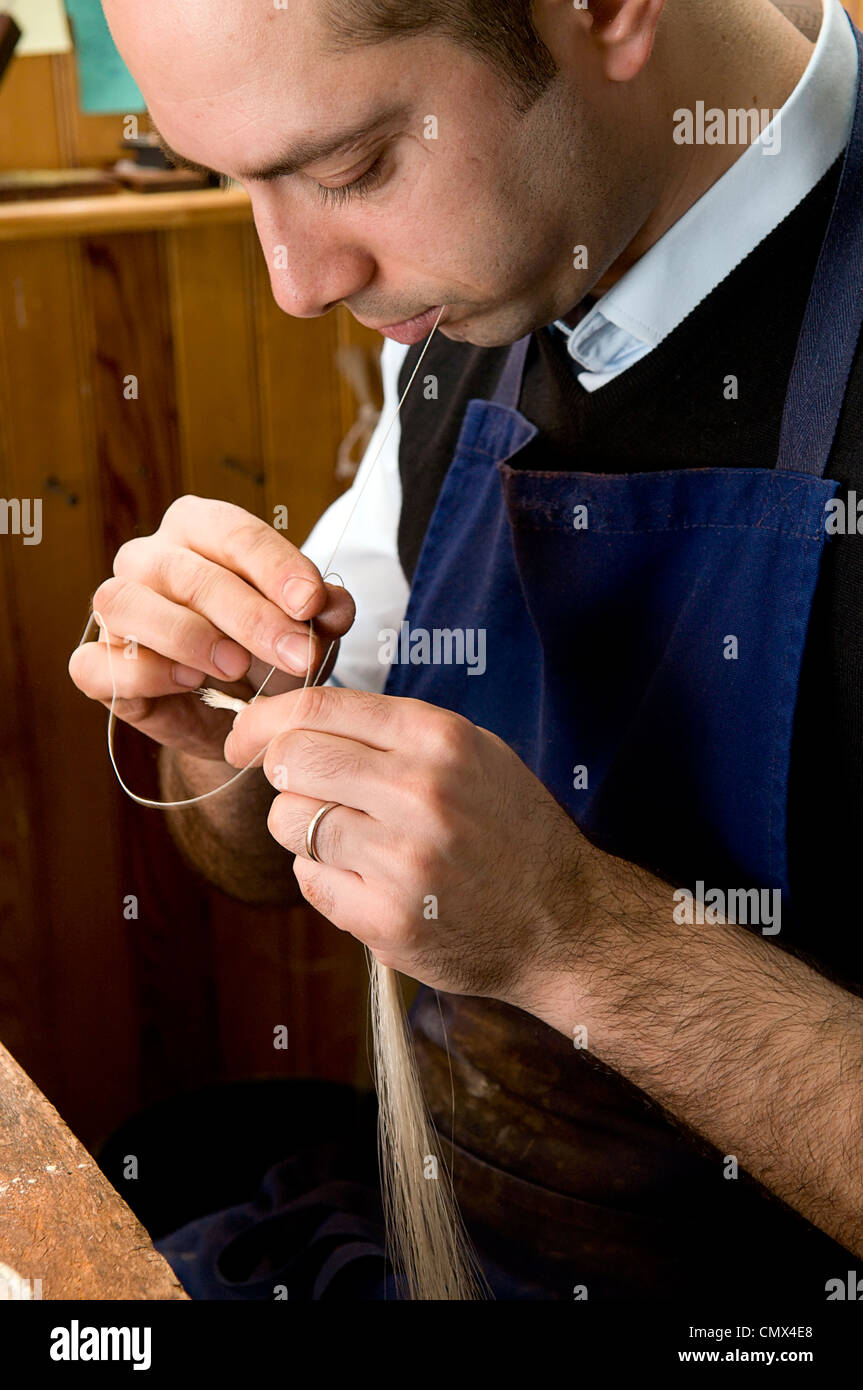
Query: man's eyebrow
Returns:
{"type": "Point", "coordinates": [304, 152]}
{"type": "Point", "coordinates": [179, 160]}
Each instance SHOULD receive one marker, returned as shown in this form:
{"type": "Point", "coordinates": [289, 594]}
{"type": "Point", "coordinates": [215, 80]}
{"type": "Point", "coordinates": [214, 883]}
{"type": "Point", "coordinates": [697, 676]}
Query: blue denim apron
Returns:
{"type": "Point", "coordinates": [644, 640]}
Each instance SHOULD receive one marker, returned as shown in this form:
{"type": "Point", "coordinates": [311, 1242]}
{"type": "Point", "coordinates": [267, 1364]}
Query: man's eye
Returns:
{"type": "Point", "coordinates": [345, 191]}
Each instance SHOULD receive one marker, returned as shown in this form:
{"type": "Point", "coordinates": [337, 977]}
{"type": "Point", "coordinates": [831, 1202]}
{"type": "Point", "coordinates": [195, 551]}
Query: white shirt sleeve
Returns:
{"type": "Point", "coordinates": [367, 557]}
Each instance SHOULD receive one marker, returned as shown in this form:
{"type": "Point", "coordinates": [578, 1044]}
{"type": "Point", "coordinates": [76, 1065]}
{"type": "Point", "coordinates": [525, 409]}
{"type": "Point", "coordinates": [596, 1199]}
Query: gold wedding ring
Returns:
{"type": "Point", "coordinates": [313, 830]}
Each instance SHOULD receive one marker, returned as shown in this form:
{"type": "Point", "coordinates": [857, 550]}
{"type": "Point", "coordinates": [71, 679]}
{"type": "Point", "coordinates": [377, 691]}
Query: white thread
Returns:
{"type": "Point", "coordinates": [143, 800]}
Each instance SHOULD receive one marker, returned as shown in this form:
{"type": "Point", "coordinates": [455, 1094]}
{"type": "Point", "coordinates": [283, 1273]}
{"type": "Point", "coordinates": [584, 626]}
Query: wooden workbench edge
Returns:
{"type": "Point", "coordinates": [61, 1221]}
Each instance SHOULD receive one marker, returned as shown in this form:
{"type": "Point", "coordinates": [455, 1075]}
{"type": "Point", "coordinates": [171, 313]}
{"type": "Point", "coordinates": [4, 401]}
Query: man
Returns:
{"type": "Point", "coordinates": [601, 815]}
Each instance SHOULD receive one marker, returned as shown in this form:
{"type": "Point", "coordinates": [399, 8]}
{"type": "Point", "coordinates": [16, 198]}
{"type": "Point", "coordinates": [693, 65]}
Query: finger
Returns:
{"type": "Point", "coordinates": [146, 675]}
{"type": "Point", "coordinates": [232, 537]}
{"type": "Point", "coordinates": [145, 617]}
{"type": "Point", "coordinates": [231, 605]}
{"type": "Point", "coordinates": [328, 768]}
{"type": "Point", "coordinates": [351, 903]}
{"type": "Point", "coordinates": [414, 729]}
{"type": "Point", "coordinates": [379, 721]}
{"type": "Point", "coordinates": [344, 839]}
{"type": "Point", "coordinates": [335, 893]}
{"type": "Point", "coordinates": [320, 765]}
{"type": "Point", "coordinates": [337, 616]}
{"type": "Point", "coordinates": [105, 638]}
{"type": "Point", "coordinates": [175, 721]}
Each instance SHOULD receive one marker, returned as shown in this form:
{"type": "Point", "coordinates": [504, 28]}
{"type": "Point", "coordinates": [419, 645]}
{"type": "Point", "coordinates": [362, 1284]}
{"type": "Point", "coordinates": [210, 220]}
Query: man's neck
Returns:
{"type": "Point", "coordinates": [763, 60]}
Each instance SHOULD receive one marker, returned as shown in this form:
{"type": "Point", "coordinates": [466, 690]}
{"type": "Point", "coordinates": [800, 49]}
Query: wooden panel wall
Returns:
{"type": "Point", "coordinates": [237, 401]}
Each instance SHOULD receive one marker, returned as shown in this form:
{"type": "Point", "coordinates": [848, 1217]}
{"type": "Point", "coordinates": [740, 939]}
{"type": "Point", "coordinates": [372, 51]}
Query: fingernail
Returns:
{"type": "Point", "coordinates": [187, 675]}
{"type": "Point", "coordinates": [230, 659]}
{"type": "Point", "coordinates": [228, 750]}
{"type": "Point", "coordinates": [293, 652]}
{"type": "Point", "coordinates": [297, 595]}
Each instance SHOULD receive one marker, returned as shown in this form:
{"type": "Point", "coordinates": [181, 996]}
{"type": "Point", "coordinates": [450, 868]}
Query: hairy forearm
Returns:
{"type": "Point", "coordinates": [225, 837]}
{"type": "Point", "coordinates": [738, 1039]}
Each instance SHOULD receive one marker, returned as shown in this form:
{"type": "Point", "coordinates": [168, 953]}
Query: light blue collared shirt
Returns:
{"type": "Point", "coordinates": [772, 176]}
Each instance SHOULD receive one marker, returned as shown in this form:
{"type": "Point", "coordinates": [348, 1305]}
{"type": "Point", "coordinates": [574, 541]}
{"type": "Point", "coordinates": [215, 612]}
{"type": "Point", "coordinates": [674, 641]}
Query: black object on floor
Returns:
{"type": "Point", "coordinates": [208, 1149]}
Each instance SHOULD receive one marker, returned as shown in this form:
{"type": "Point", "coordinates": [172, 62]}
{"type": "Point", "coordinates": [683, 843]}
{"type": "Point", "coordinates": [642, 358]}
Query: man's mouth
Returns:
{"type": "Point", "coordinates": [413, 330]}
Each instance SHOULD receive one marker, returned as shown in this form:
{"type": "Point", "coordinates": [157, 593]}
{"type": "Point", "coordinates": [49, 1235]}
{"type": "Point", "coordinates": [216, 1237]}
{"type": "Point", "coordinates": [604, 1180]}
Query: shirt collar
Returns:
{"type": "Point", "coordinates": [744, 206]}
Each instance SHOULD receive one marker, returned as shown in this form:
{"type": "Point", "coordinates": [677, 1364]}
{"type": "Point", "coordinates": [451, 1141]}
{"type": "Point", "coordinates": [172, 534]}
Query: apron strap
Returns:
{"type": "Point", "coordinates": [509, 387]}
{"type": "Point", "coordinates": [833, 319]}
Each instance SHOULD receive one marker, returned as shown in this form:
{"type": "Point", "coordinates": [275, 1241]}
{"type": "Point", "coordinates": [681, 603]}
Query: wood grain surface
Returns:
{"type": "Point", "coordinates": [61, 1222]}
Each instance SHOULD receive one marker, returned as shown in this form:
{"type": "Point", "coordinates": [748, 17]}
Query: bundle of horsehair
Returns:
{"type": "Point", "coordinates": [428, 1244]}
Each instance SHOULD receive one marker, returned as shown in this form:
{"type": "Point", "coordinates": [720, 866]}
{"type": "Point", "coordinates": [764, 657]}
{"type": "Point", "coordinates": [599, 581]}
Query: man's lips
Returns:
{"type": "Point", "coordinates": [411, 330]}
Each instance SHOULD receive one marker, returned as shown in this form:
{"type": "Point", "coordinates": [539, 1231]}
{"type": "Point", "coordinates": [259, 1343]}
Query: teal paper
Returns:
{"type": "Point", "coordinates": [104, 82]}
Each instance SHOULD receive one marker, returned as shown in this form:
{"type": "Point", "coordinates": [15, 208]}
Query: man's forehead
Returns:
{"type": "Point", "coordinates": [168, 42]}
{"type": "Point", "coordinates": [241, 75]}
{"type": "Point", "coordinates": [218, 17]}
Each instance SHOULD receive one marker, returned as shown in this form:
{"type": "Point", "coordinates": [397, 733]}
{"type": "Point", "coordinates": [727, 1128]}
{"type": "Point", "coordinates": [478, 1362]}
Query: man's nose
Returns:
{"type": "Point", "coordinates": [313, 264]}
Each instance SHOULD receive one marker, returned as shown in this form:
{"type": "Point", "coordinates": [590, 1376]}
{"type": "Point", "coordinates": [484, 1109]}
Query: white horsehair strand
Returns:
{"type": "Point", "coordinates": [429, 1247]}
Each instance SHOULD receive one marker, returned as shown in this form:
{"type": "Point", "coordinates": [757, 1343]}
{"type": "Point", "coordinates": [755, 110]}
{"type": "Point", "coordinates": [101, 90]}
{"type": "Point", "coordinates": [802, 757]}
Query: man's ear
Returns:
{"type": "Point", "coordinates": [620, 32]}
{"type": "Point", "coordinates": [625, 31]}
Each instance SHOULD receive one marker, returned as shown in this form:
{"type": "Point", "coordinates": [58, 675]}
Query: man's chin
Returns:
{"type": "Point", "coordinates": [482, 334]}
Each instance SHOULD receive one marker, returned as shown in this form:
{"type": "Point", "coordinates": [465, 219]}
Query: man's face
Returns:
{"type": "Point", "coordinates": [467, 202]}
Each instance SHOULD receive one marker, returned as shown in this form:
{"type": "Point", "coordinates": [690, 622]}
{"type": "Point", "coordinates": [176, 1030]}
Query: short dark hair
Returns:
{"type": "Point", "coordinates": [502, 31]}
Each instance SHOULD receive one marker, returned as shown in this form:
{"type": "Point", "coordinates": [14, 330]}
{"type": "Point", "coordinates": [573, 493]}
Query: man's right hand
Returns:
{"type": "Point", "coordinates": [214, 596]}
